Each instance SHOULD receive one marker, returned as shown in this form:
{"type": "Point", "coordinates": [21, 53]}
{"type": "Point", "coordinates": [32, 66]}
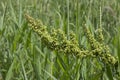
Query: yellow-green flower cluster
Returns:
{"type": "Point", "coordinates": [99, 49]}
{"type": "Point", "coordinates": [57, 40]}
{"type": "Point", "coordinates": [100, 35]}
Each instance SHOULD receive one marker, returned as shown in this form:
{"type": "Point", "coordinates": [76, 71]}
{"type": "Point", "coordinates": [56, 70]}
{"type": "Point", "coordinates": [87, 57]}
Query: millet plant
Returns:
{"type": "Point", "coordinates": [58, 41]}
{"type": "Point", "coordinates": [73, 40]}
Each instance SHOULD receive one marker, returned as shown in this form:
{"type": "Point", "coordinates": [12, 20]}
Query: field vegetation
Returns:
{"type": "Point", "coordinates": [59, 39]}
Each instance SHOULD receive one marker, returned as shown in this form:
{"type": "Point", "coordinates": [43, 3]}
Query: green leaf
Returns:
{"type": "Point", "coordinates": [109, 72]}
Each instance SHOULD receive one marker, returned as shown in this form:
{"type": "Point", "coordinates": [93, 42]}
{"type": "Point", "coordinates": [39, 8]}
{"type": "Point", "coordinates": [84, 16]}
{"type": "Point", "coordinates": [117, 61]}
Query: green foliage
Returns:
{"type": "Point", "coordinates": [25, 55]}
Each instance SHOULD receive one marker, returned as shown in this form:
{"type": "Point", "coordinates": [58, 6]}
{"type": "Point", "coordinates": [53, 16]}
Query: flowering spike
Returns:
{"type": "Point", "coordinates": [59, 42]}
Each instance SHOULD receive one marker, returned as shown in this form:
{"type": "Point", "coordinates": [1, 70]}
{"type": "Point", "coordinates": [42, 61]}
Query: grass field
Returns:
{"type": "Point", "coordinates": [24, 56]}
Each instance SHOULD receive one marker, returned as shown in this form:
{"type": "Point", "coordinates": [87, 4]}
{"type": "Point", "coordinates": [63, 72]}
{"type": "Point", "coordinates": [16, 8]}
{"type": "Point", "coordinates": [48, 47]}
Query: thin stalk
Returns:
{"type": "Point", "coordinates": [68, 28]}
{"type": "Point", "coordinates": [100, 17]}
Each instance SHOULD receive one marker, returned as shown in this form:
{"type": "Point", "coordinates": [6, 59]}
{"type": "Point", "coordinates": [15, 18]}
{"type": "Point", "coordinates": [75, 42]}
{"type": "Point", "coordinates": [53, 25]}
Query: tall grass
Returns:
{"type": "Point", "coordinates": [24, 57]}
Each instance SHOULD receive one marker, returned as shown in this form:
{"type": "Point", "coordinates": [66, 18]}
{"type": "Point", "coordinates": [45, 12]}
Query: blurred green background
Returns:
{"type": "Point", "coordinates": [22, 55]}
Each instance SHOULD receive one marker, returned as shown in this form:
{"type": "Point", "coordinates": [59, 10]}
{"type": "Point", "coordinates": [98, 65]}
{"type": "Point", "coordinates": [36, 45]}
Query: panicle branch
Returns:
{"type": "Point", "coordinates": [57, 40]}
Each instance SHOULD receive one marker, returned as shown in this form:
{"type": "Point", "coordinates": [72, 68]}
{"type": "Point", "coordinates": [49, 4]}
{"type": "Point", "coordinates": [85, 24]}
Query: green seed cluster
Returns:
{"type": "Point", "coordinates": [57, 40]}
{"type": "Point", "coordinates": [100, 35]}
{"type": "Point", "coordinates": [99, 49]}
